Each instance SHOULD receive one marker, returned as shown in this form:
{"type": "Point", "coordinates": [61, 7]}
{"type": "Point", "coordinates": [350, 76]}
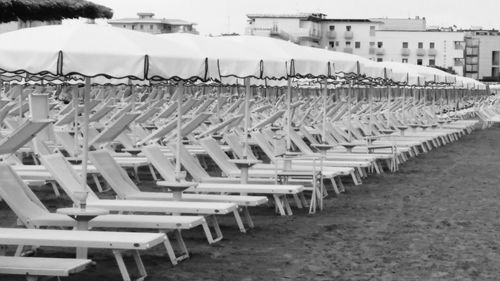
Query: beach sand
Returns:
{"type": "Point", "coordinates": [435, 219]}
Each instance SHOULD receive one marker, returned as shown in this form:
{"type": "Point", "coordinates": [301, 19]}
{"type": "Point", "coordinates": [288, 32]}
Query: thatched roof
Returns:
{"type": "Point", "coordinates": [46, 10]}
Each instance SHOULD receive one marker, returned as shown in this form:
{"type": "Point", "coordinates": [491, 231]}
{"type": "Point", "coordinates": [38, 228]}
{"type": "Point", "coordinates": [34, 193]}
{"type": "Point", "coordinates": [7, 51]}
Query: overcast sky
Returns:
{"type": "Point", "coordinates": [226, 16]}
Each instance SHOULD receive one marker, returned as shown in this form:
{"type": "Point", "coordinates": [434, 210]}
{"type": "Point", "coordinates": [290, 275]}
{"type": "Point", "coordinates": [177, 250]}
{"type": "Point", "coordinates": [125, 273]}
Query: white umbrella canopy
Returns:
{"type": "Point", "coordinates": [403, 73]}
{"type": "Point", "coordinates": [94, 50]}
{"type": "Point", "coordinates": [230, 58]}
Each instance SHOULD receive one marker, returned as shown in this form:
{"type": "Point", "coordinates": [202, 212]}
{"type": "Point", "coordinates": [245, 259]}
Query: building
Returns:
{"type": "Point", "coordinates": [15, 25]}
{"type": "Point", "coordinates": [379, 39]}
{"type": "Point", "coordinates": [482, 55]}
{"type": "Point", "coordinates": [147, 23]}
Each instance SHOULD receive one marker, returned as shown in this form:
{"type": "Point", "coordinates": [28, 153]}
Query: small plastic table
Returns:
{"type": "Point", "coordinates": [348, 146]}
{"type": "Point", "coordinates": [244, 165]}
{"type": "Point", "coordinates": [402, 129]}
{"type": "Point", "coordinates": [82, 217]}
{"type": "Point", "coordinates": [133, 151]}
{"type": "Point", "coordinates": [177, 187]}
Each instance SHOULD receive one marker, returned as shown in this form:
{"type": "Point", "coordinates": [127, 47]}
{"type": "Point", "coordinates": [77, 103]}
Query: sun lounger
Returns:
{"type": "Point", "coordinates": [69, 181]}
{"type": "Point", "coordinates": [117, 242]}
{"type": "Point", "coordinates": [34, 268]}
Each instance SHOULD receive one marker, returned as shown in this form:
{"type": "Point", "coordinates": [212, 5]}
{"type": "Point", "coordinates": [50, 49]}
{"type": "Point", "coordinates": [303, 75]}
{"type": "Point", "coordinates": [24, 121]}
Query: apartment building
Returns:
{"type": "Point", "coordinates": [482, 54]}
{"type": "Point", "coordinates": [146, 22]}
{"type": "Point", "coordinates": [379, 39]}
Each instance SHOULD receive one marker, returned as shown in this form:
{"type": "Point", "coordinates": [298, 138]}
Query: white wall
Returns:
{"type": "Point", "coordinates": [444, 45]}
{"type": "Point", "coordinates": [487, 44]}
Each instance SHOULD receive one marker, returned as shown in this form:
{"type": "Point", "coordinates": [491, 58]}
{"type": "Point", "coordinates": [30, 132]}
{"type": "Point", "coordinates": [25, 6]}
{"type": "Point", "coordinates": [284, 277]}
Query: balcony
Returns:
{"type": "Point", "coordinates": [308, 33]}
{"type": "Point", "coordinates": [405, 52]}
{"type": "Point", "coordinates": [380, 51]}
{"type": "Point", "coordinates": [348, 35]}
{"type": "Point", "coordinates": [332, 34]}
{"type": "Point", "coordinates": [420, 52]}
{"type": "Point", "coordinates": [432, 52]}
{"type": "Point", "coordinates": [348, 50]}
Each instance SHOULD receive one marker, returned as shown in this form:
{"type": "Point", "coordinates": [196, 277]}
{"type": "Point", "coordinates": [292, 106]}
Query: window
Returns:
{"type": "Point", "coordinates": [432, 62]}
{"type": "Point", "coordinates": [380, 59]}
{"type": "Point", "coordinates": [332, 27]}
{"type": "Point", "coordinates": [432, 45]}
{"type": "Point", "coordinates": [495, 58]}
{"type": "Point", "coordinates": [124, 26]}
{"type": "Point", "coordinates": [380, 44]}
{"type": "Point", "coordinates": [495, 71]}
{"type": "Point", "coordinates": [151, 27]}
{"type": "Point", "coordinates": [133, 27]}
{"type": "Point", "coordinates": [347, 43]}
{"type": "Point", "coordinates": [372, 30]}
{"type": "Point", "coordinates": [337, 43]}
{"type": "Point", "coordinates": [141, 26]}
{"type": "Point", "coordinates": [404, 61]}
{"type": "Point", "coordinates": [348, 28]}
{"type": "Point", "coordinates": [405, 45]}
{"type": "Point", "coordinates": [459, 61]}
{"type": "Point", "coordinates": [420, 45]}
{"type": "Point", "coordinates": [459, 45]}
{"type": "Point", "coordinates": [331, 44]}
{"type": "Point", "coordinates": [420, 61]}
{"type": "Point", "coordinates": [357, 45]}
{"type": "Point", "coordinates": [372, 44]}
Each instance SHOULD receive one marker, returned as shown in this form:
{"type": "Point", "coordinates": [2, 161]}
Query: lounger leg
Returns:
{"type": "Point", "coordinates": [97, 183]}
{"type": "Point", "coordinates": [277, 201]}
{"type": "Point", "coordinates": [136, 173]}
{"type": "Point", "coordinates": [303, 199]}
{"type": "Point", "coordinates": [140, 265]}
{"type": "Point", "coordinates": [297, 201]}
{"type": "Point", "coordinates": [376, 167]}
{"type": "Point", "coordinates": [248, 218]}
{"type": "Point", "coordinates": [121, 265]}
{"type": "Point", "coordinates": [239, 222]}
{"type": "Point", "coordinates": [335, 187]}
{"type": "Point", "coordinates": [287, 205]}
{"type": "Point", "coordinates": [208, 233]}
{"type": "Point", "coordinates": [182, 246]}
{"type": "Point", "coordinates": [153, 173]}
{"type": "Point", "coordinates": [170, 250]}
{"type": "Point", "coordinates": [340, 184]}
{"type": "Point", "coordinates": [55, 188]}
{"type": "Point", "coordinates": [355, 178]}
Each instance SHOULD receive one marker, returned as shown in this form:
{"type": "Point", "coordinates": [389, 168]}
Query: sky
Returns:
{"type": "Point", "coordinates": [228, 16]}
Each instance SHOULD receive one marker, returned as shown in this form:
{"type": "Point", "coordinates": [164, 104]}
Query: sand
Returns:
{"type": "Point", "coordinates": [435, 219]}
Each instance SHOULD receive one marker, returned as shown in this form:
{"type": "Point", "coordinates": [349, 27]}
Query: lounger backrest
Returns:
{"type": "Point", "coordinates": [236, 144]}
{"type": "Point", "coordinates": [160, 161]}
{"type": "Point", "coordinates": [299, 142]}
{"type": "Point", "coordinates": [190, 163]}
{"type": "Point", "coordinates": [113, 173]}
{"type": "Point", "coordinates": [101, 112]}
{"type": "Point", "coordinates": [18, 196]}
{"type": "Point", "coordinates": [41, 148]}
{"type": "Point", "coordinates": [160, 132]}
{"type": "Point", "coordinates": [264, 144]}
{"type": "Point", "coordinates": [271, 119]}
{"type": "Point", "coordinates": [66, 140]}
{"type": "Point", "coordinates": [62, 171]}
{"type": "Point", "coordinates": [191, 125]}
{"type": "Point", "coordinates": [219, 156]}
{"type": "Point", "coordinates": [5, 111]}
{"type": "Point", "coordinates": [21, 136]}
{"type": "Point", "coordinates": [113, 129]}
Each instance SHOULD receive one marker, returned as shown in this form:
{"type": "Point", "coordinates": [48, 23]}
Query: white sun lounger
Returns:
{"type": "Point", "coordinates": [70, 183]}
{"type": "Point", "coordinates": [35, 268]}
{"type": "Point", "coordinates": [117, 242]}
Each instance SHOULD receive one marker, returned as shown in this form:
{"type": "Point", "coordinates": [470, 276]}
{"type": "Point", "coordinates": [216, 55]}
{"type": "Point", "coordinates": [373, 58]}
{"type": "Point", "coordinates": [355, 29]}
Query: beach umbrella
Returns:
{"type": "Point", "coordinates": [93, 51]}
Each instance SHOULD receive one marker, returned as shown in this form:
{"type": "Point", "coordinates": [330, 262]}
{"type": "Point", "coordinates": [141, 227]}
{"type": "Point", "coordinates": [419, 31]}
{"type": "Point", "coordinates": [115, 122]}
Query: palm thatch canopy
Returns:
{"type": "Point", "coordinates": [47, 10]}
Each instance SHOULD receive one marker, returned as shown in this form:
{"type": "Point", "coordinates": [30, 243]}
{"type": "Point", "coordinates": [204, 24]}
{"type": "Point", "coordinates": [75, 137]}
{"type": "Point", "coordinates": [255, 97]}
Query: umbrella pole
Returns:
{"type": "Point", "coordinates": [288, 114]}
{"type": "Point", "coordinates": [388, 107]}
{"type": "Point", "coordinates": [349, 124]}
{"type": "Point", "coordinates": [247, 117]}
{"type": "Point", "coordinates": [74, 94]}
{"type": "Point", "coordinates": [86, 105]}
{"type": "Point", "coordinates": [323, 131]}
{"type": "Point", "coordinates": [370, 122]}
{"type": "Point", "coordinates": [403, 93]}
{"type": "Point", "coordinates": [179, 132]}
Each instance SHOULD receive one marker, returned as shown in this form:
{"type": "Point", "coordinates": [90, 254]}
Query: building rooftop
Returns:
{"type": "Point", "coordinates": [307, 16]}
{"type": "Point", "coordinates": [149, 18]}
